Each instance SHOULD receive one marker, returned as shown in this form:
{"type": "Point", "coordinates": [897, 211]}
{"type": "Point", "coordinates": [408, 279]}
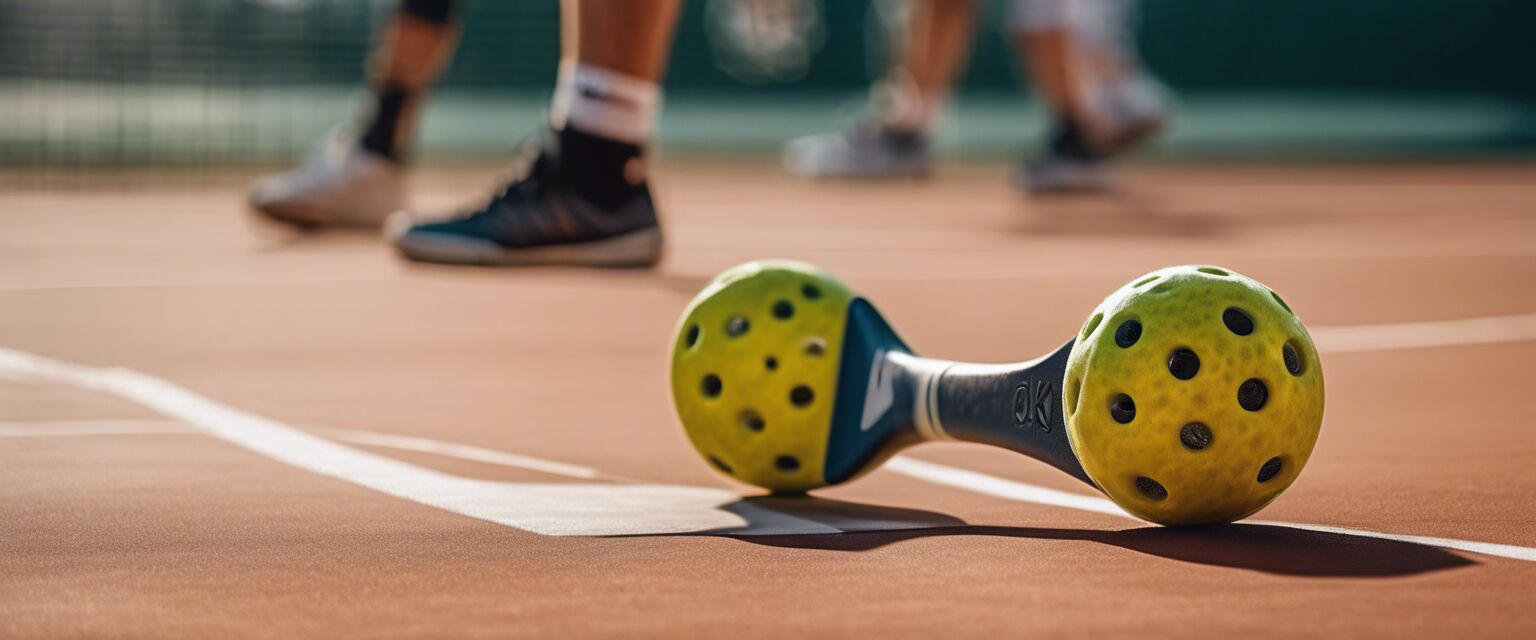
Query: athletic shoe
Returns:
{"type": "Point", "coordinates": [1134, 110]}
{"type": "Point", "coordinates": [337, 185]}
{"type": "Point", "coordinates": [867, 150]}
{"type": "Point", "coordinates": [1130, 110]}
{"type": "Point", "coordinates": [1053, 174]}
{"type": "Point", "coordinates": [536, 220]}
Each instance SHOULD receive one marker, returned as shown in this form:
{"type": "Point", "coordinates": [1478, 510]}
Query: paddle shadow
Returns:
{"type": "Point", "coordinates": [1264, 548]}
{"type": "Point", "coordinates": [764, 516]}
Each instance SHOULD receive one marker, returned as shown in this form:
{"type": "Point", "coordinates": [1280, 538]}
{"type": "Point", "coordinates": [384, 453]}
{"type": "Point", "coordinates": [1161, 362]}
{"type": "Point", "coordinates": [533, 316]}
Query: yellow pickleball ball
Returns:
{"type": "Point", "coordinates": [754, 372]}
{"type": "Point", "coordinates": [1193, 395]}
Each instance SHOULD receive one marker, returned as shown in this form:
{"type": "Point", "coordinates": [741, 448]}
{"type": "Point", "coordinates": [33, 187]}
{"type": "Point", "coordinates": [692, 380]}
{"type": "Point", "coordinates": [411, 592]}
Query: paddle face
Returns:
{"type": "Point", "coordinates": [1193, 395]}
{"type": "Point", "coordinates": [754, 372]}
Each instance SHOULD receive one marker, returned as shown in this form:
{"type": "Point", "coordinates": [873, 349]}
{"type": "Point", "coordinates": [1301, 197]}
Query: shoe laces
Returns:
{"type": "Point", "coordinates": [525, 179]}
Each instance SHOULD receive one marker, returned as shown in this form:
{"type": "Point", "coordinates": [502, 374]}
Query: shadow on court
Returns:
{"type": "Point", "coordinates": [1263, 548]}
{"type": "Point", "coordinates": [1117, 216]}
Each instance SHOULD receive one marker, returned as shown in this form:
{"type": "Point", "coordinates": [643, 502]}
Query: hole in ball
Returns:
{"type": "Point", "coordinates": [1237, 321]}
{"type": "Point", "coordinates": [770, 363]}
{"type": "Point", "coordinates": [787, 463]}
{"type": "Point", "coordinates": [721, 465]}
{"type": "Point", "coordinates": [1292, 358]}
{"type": "Point", "coordinates": [783, 310]}
{"type": "Point", "coordinates": [737, 326]}
{"type": "Point", "coordinates": [1252, 394]}
{"type": "Point", "coordinates": [801, 396]}
{"type": "Point", "coordinates": [711, 386]}
{"type": "Point", "coordinates": [1122, 409]}
{"type": "Point", "coordinates": [1183, 364]}
{"type": "Point", "coordinates": [752, 421]}
{"type": "Point", "coordinates": [1270, 469]}
{"type": "Point", "coordinates": [815, 346]}
{"type": "Point", "coordinates": [1093, 323]}
{"type": "Point", "coordinates": [1195, 436]}
{"type": "Point", "coordinates": [1280, 300]}
{"type": "Point", "coordinates": [810, 291]}
{"type": "Point", "coordinates": [1127, 333]}
{"type": "Point", "coordinates": [1074, 388]}
{"type": "Point", "coordinates": [1213, 271]}
{"type": "Point", "coordinates": [692, 336]}
{"type": "Point", "coordinates": [1150, 488]}
{"type": "Point", "coordinates": [1143, 281]}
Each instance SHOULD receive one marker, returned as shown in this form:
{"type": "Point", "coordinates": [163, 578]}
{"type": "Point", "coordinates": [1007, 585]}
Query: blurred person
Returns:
{"type": "Point", "coordinates": [1081, 58]}
{"type": "Point", "coordinates": [582, 196]}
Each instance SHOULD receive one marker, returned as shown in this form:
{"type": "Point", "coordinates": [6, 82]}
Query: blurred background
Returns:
{"type": "Point", "coordinates": [227, 84]}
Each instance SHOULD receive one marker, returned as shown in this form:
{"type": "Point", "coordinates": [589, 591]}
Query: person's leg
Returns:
{"type": "Point", "coordinates": [584, 198]}
{"type": "Point", "coordinates": [938, 44]}
{"type": "Point", "coordinates": [1044, 37]}
{"type": "Point", "coordinates": [606, 97]}
{"type": "Point", "coordinates": [416, 45]}
{"type": "Point", "coordinates": [1075, 51]}
{"type": "Point", "coordinates": [892, 139]}
{"type": "Point", "coordinates": [356, 178]}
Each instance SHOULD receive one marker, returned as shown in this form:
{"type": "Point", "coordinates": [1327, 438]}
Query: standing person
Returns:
{"type": "Point", "coordinates": [357, 175]}
{"type": "Point", "coordinates": [583, 197]}
{"type": "Point", "coordinates": [1081, 58]}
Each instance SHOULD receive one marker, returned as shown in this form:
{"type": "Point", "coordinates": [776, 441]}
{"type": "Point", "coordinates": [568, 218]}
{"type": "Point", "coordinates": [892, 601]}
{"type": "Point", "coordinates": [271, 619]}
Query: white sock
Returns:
{"type": "Point", "coordinates": [604, 103]}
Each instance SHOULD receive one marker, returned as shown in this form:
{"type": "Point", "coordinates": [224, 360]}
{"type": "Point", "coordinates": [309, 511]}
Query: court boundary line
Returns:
{"type": "Point", "coordinates": [553, 509]}
{"type": "Point", "coordinates": [166, 397]}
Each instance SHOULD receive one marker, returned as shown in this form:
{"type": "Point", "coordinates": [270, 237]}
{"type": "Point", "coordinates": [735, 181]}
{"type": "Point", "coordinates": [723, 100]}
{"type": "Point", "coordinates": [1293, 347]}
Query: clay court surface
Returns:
{"type": "Point", "coordinates": [219, 484]}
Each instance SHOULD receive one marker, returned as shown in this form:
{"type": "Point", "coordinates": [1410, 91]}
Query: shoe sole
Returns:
{"type": "Point", "coordinates": [635, 249]}
{"type": "Point", "coordinates": [310, 217]}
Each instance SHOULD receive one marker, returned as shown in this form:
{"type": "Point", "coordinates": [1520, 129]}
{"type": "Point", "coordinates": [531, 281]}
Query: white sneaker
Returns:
{"type": "Point", "coordinates": [337, 185]}
{"type": "Point", "coordinates": [865, 151]}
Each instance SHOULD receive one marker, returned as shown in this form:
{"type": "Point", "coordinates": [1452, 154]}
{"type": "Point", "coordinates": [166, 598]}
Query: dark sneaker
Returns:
{"type": "Point", "coordinates": [536, 220]}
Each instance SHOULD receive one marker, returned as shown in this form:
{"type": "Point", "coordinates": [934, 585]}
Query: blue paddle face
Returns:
{"type": "Point", "coordinates": [872, 416]}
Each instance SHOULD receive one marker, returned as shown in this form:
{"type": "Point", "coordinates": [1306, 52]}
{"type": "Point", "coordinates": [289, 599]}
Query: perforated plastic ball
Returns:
{"type": "Point", "coordinates": [1193, 396]}
{"type": "Point", "coordinates": [754, 372]}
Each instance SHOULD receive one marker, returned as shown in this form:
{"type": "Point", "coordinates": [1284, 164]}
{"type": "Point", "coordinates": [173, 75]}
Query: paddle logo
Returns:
{"type": "Point", "coordinates": [881, 394]}
{"type": "Point", "coordinates": [1032, 405]}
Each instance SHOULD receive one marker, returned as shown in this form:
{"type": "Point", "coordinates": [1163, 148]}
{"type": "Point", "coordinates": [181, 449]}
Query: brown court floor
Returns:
{"type": "Point", "coordinates": [181, 535]}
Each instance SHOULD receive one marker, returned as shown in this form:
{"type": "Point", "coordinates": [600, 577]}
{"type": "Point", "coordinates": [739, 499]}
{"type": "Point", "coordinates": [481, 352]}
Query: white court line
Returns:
{"type": "Point", "coordinates": [1413, 335]}
{"type": "Point", "coordinates": [101, 427]}
{"type": "Point", "coordinates": [566, 509]}
{"type": "Point", "coordinates": [1023, 492]}
{"type": "Point", "coordinates": [931, 472]}
{"type": "Point", "coordinates": [461, 451]}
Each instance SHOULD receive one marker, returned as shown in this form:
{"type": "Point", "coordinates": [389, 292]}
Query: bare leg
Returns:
{"type": "Point", "coordinates": [938, 44]}
{"type": "Point", "coordinates": [632, 37]}
{"type": "Point", "coordinates": [1080, 61]}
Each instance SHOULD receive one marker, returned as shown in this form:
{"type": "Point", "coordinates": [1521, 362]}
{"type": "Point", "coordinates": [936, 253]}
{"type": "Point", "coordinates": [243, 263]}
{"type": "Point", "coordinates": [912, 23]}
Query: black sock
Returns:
{"type": "Point", "coordinates": [604, 171]}
{"type": "Point", "coordinates": [383, 123]}
{"type": "Point", "coordinates": [1067, 141]}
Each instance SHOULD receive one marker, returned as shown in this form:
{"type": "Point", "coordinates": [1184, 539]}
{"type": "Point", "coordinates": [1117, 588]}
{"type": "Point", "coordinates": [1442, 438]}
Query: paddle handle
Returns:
{"type": "Point", "coordinates": [1013, 406]}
